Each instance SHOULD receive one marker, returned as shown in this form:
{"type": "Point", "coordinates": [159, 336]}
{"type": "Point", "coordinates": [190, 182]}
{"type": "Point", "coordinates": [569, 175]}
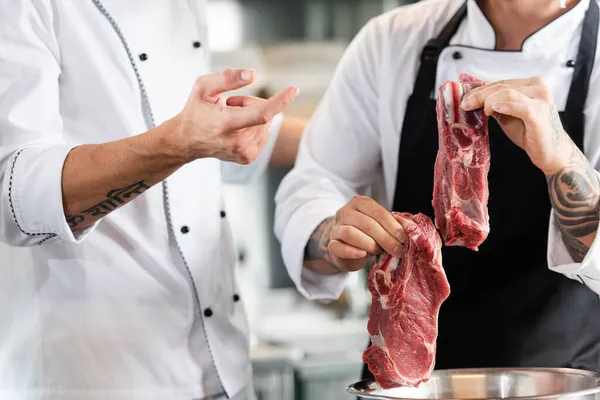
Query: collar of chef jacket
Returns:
{"type": "Point", "coordinates": [144, 304]}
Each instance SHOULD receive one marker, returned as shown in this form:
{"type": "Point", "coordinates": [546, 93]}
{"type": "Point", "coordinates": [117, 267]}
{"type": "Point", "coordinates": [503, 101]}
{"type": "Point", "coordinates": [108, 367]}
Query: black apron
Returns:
{"type": "Point", "coordinates": [506, 308]}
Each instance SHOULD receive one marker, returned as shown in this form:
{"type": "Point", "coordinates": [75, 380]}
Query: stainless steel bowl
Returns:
{"type": "Point", "coordinates": [494, 383]}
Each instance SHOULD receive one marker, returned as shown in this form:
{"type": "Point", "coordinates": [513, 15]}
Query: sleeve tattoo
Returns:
{"type": "Point", "coordinates": [114, 199]}
{"type": "Point", "coordinates": [316, 248]}
{"type": "Point", "coordinates": [316, 255]}
{"type": "Point", "coordinates": [575, 195]}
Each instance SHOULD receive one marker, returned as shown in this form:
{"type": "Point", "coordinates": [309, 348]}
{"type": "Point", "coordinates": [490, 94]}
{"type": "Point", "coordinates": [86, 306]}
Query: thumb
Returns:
{"type": "Point", "coordinates": [210, 87]}
{"type": "Point", "coordinates": [260, 112]}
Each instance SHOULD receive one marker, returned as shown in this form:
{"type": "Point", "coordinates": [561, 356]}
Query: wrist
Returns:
{"type": "Point", "coordinates": [561, 159]}
{"type": "Point", "coordinates": [166, 142]}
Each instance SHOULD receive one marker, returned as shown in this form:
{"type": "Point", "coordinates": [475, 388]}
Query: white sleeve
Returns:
{"type": "Point", "coordinates": [245, 174]}
{"type": "Point", "coordinates": [339, 155]}
{"type": "Point", "coordinates": [32, 145]}
{"type": "Point", "coordinates": [559, 259]}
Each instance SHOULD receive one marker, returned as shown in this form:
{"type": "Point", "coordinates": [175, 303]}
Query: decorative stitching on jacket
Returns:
{"type": "Point", "coordinates": [146, 99]}
{"type": "Point", "coordinates": [52, 236]}
{"type": "Point", "coordinates": [10, 202]}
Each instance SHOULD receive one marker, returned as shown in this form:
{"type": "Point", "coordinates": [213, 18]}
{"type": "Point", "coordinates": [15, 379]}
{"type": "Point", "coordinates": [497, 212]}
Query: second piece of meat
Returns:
{"type": "Point", "coordinates": [406, 297]}
{"type": "Point", "coordinates": [460, 193]}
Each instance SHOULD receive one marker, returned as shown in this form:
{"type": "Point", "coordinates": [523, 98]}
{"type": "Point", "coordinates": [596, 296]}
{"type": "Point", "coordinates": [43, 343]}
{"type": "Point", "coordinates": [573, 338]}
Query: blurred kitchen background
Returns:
{"type": "Point", "coordinates": [301, 349]}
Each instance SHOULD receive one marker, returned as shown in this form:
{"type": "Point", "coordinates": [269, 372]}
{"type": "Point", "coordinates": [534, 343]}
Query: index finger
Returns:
{"type": "Point", "coordinates": [260, 113]}
{"type": "Point", "coordinates": [476, 98]}
{"type": "Point", "coordinates": [213, 85]}
{"type": "Point", "coordinates": [384, 218]}
{"type": "Point", "coordinates": [506, 82]}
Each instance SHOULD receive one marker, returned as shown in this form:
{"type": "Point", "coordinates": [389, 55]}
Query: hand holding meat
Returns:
{"type": "Point", "coordinates": [526, 112]}
{"type": "Point", "coordinates": [403, 327]}
{"type": "Point", "coordinates": [361, 229]}
{"type": "Point", "coordinates": [233, 129]}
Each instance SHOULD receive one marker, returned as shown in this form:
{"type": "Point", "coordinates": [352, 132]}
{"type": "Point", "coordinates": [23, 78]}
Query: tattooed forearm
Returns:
{"type": "Point", "coordinates": [575, 195]}
{"type": "Point", "coordinates": [316, 255]}
{"type": "Point", "coordinates": [316, 248]}
{"type": "Point", "coordinates": [114, 199]}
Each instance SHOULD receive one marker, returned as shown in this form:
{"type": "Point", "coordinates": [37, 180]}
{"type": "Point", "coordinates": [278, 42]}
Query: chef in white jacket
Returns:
{"type": "Point", "coordinates": [529, 296]}
{"type": "Point", "coordinates": [114, 143]}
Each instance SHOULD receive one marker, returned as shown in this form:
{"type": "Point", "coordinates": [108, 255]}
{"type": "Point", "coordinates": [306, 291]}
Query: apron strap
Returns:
{"type": "Point", "coordinates": [425, 82]}
{"type": "Point", "coordinates": [419, 102]}
{"type": "Point", "coordinates": [584, 63]}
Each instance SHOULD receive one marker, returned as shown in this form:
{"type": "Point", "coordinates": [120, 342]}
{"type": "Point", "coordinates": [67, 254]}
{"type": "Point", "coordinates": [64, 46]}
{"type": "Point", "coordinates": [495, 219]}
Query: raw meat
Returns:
{"type": "Point", "coordinates": [406, 299]}
{"type": "Point", "coordinates": [460, 191]}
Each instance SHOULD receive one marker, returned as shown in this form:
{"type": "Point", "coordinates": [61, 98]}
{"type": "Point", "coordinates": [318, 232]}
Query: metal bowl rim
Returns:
{"type": "Point", "coordinates": [350, 389]}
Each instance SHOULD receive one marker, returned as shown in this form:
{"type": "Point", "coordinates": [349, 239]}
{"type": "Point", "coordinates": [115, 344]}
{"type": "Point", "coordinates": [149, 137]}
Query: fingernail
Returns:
{"type": "Point", "coordinates": [361, 253]}
{"type": "Point", "coordinates": [246, 75]}
{"type": "Point", "coordinates": [400, 235]}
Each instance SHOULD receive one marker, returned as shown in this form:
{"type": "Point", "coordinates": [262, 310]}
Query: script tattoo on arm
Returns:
{"type": "Point", "coordinates": [575, 196]}
{"type": "Point", "coordinates": [114, 199]}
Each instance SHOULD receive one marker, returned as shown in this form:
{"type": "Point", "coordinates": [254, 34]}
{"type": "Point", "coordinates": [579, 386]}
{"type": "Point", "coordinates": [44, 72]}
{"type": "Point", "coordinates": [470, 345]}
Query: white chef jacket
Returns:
{"type": "Point", "coordinates": [353, 137]}
{"type": "Point", "coordinates": [134, 307]}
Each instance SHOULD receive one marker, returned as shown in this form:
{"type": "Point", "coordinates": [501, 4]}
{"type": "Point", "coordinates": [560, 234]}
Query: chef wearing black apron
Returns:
{"type": "Point", "coordinates": [506, 308]}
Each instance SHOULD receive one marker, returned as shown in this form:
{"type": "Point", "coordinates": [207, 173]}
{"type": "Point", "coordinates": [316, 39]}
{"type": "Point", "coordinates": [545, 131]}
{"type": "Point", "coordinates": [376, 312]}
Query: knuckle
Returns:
{"type": "Point", "coordinates": [544, 93]}
{"type": "Point", "coordinates": [243, 157]}
{"type": "Point", "coordinates": [262, 119]}
{"type": "Point", "coordinates": [387, 242]}
{"type": "Point", "coordinates": [538, 81]}
{"type": "Point", "coordinates": [362, 223]}
{"type": "Point", "coordinates": [380, 214]}
{"type": "Point", "coordinates": [228, 74]}
{"type": "Point", "coordinates": [354, 201]}
{"type": "Point", "coordinates": [481, 95]}
{"type": "Point", "coordinates": [360, 198]}
{"type": "Point", "coordinates": [238, 145]}
{"type": "Point", "coordinates": [247, 156]}
{"type": "Point", "coordinates": [513, 94]}
{"type": "Point", "coordinates": [343, 232]}
{"type": "Point", "coordinates": [374, 248]}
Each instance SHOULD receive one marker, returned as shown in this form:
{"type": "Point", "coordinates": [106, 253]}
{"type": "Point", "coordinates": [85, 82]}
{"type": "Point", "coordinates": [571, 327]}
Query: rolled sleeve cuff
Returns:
{"type": "Point", "coordinates": [559, 259]}
{"type": "Point", "coordinates": [35, 194]}
{"type": "Point", "coordinates": [301, 225]}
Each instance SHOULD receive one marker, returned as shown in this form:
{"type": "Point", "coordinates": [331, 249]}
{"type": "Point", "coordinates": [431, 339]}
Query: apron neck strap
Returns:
{"type": "Point", "coordinates": [425, 82]}
{"type": "Point", "coordinates": [585, 61]}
